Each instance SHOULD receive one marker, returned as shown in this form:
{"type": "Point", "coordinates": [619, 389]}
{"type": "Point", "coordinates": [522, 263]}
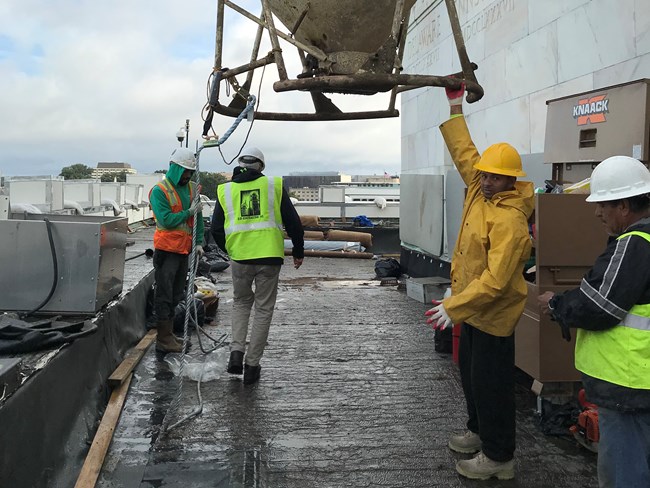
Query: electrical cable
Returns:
{"type": "Point", "coordinates": [148, 253]}
{"type": "Point", "coordinates": [259, 91]}
{"type": "Point", "coordinates": [55, 271]}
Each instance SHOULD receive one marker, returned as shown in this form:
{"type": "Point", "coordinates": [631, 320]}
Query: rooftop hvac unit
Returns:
{"type": "Point", "coordinates": [114, 192]}
{"type": "Point", "coordinates": [44, 192]}
{"type": "Point", "coordinates": [148, 181]}
{"type": "Point", "coordinates": [132, 194]}
{"type": "Point", "coordinates": [85, 192]}
{"type": "Point", "coordinates": [4, 207]}
{"type": "Point", "coordinates": [89, 256]}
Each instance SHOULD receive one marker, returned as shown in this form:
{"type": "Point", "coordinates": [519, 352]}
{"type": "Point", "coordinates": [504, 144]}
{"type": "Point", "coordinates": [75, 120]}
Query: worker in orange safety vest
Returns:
{"type": "Point", "coordinates": [175, 205]}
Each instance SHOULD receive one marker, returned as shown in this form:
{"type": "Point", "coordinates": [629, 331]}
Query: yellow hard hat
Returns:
{"type": "Point", "coordinates": [501, 159]}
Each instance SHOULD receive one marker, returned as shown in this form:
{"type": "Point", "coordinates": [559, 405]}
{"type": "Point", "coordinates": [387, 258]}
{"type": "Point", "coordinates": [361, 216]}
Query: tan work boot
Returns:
{"type": "Point", "coordinates": [468, 443]}
{"type": "Point", "coordinates": [482, 467]}
{"type": "Point", "coordinates": [166, 340]}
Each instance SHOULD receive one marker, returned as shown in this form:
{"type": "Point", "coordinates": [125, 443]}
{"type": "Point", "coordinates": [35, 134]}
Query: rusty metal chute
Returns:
{"type": "Point", "coordinates": [344, 46]}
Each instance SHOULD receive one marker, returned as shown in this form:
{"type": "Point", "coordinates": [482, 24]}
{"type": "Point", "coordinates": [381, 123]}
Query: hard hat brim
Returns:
{"type": "Point", "coordinates": [608, 196]}
{"type": "Point", "coordinates": [185, 165]}
{"type": "Point", "coordinates": [497, 171]}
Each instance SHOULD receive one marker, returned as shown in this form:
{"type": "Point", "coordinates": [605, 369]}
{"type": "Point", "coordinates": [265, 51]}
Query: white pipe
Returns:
{"type": "Point", "coordinates": [73, 204]}
{"type": "Point", "coordinates": [117, 210]}
{"type": "Point", "coordinates": [133, 205]}
{"type": "Point", "coordinates": [25, 207]}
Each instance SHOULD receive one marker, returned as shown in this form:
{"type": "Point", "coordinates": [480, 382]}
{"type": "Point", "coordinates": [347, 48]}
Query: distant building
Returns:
{"type": "Point", "coordinates": [304, 185]}
{"type": "Point", "coordinates": [361, 191]}
{"type": "Point", "coordinates": [379, 180]}
{"type": "Point", "coordinates": [103, 168]}
{"type": "Point", "coordinates": [305, 194]}
{"type": "Point", "coordinates": [307, 186]}
{"type": "Point", "coordinates": [313, 179]}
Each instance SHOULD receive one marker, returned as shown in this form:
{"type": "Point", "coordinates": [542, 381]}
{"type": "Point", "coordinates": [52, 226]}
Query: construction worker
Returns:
{"type": "Point", "coordinates": [175, 205]}
{"type": "Point", "coordinates": [611, 310]}
{"type": "Point", "coordinates": [247, 223]}
{"type": "Point", "coordinates": [488, 293]}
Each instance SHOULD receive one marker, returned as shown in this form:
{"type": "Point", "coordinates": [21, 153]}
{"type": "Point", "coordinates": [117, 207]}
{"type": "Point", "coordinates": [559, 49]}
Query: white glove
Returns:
{"type": "Point", "coordinates": [438, 316]}
{"type": "Point", "coordinates": [199, 251]}
{"type": "Point", "coordinates": [455, 97]}
{"type": "Point", "coordinates": [194, 207]}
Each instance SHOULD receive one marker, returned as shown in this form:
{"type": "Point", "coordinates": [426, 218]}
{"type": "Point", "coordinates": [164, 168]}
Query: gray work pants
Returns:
{"type": "Point", "coordinates": [265, 277]}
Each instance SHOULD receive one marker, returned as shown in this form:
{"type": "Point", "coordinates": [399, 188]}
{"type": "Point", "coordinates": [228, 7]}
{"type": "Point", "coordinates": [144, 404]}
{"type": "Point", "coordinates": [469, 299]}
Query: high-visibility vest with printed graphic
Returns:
{"type": "Point", "coordinates": [620, 355]}
{"type": "Point", "coordinates": [178, 239]}
{"type": "Point", "coordinates": [253, 223]}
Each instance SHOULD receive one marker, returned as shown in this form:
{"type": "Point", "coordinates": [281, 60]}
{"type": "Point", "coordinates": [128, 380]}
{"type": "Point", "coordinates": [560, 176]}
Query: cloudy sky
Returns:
{"type": "Point", "coordinates": [83, 81]}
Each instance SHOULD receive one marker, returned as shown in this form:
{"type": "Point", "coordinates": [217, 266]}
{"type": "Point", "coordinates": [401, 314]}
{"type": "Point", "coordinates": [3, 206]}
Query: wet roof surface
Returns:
{"type": "Point", "coordinates": [352, 393]}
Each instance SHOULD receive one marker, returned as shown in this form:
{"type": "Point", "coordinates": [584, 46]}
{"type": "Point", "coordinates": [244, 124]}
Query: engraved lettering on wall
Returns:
{"type": "Point", "coordinates": [486, 18]}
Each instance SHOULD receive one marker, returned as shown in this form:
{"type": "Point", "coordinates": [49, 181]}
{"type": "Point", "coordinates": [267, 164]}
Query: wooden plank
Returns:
{"type": "Point", "coordinates": [131, 360]}
{"type": "Point", "coordinates": [95, 458]}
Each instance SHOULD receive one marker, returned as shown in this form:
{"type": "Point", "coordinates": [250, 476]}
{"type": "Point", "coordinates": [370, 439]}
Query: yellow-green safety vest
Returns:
{"type": "Point", "coordinates": [620, 355]}
{"type": "Point", "coordinates": [253, 222]}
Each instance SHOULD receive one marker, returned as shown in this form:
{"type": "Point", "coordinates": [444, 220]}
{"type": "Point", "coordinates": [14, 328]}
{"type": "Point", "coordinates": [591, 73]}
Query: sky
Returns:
{"type": "Point", "coordinates": [84, 82]}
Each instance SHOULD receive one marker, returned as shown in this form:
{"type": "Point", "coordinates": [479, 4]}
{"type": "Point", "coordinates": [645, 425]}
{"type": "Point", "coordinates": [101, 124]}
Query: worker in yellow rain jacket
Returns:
{"type": "Point", "coordinates": [611, 310]}
{"type": "Point", "coordinates": [175, 205]}
{"type": "Point", "coordinates": [247, 223]}
{"type": "Point", "coordinates": [488, 293]}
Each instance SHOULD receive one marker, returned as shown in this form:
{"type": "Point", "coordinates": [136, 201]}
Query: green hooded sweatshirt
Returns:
{"type": "Point", "coordinates": [162, 209]}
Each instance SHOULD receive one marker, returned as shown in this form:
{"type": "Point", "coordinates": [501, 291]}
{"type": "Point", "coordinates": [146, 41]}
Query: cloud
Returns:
{"type": "Point", "coordinates": [84, 82]}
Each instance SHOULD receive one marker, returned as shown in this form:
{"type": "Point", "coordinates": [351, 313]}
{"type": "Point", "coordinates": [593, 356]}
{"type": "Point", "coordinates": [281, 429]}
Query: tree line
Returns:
{"type": "Point", "coordinates": [209, 181]}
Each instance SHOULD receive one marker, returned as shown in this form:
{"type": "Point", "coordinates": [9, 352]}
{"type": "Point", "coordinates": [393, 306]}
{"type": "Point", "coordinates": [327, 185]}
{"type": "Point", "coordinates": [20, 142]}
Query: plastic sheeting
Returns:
{"type": "Point", "coordinates": [328, 245]}
{"type": "Point", "coordinates": [48, 421]}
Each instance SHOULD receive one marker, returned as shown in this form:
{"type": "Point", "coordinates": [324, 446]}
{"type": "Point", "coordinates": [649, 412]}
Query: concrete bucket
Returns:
{"type": "Point", "coordinates": [356, 35]}
{"type": "Point", "coordinates": [345, 46]}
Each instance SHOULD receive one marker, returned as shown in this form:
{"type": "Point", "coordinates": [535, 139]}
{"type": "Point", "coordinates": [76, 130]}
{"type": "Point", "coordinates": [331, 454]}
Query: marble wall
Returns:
{"type": "Point", "coordinates": [528, 51]}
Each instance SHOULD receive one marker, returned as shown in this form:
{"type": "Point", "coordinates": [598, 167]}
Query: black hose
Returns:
{"type": "Point", "coordinates": [55, 263]}
{"type": "Point", "coordinates": [148, 253]}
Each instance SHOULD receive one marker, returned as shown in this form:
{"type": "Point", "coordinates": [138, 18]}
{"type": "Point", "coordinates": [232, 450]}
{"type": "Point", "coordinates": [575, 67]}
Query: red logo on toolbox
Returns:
{"type": "Point", "coordinates": [591, 110]}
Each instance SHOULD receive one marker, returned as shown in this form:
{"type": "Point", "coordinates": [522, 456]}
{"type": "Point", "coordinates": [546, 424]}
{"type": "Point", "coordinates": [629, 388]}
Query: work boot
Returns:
{"type": "Point", "coordinates": [482, 467]}
{"type": "Point", "coordinates": [235, 363]}
{"type": "Point", "coordinates": [166, 340]}
{"type": "Point", "coordinates": [468, 443]}
{"type": "Point", "coordinates": [251, 374]}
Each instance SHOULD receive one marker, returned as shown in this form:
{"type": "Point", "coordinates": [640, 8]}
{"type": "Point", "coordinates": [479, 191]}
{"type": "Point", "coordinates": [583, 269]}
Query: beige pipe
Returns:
{"type": "Point", "coordinates": [364, 238]}
{"type": "Point", "coordinates": [311, 235]}
{"type": "Point", "coordinates": [309, 220]}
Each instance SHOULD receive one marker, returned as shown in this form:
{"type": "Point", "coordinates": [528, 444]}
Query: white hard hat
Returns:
{"type": "Point", "coordinates": [183, 157]}
{"type": "Point", "coordinates": [619, 177]}
{"type": "Point", "coordinates": [251, 157]}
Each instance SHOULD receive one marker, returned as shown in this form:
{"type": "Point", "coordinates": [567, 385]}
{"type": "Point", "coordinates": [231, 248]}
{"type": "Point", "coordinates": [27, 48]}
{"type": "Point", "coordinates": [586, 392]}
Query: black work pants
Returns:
{"type": "Point", "coordinates": [170, 274]}
{"type": "Point", "coordinates": [487, 372]}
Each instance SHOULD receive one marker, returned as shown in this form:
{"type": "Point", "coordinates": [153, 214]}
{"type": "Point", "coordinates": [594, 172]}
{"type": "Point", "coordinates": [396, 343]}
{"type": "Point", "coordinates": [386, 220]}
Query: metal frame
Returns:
{"type": "Point", "coordinates": [319, 83]}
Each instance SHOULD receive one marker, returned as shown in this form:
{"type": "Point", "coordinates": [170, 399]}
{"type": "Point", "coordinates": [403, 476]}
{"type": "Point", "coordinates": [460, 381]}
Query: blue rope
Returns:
{"type": "Point", "coordinates": [249, 106]}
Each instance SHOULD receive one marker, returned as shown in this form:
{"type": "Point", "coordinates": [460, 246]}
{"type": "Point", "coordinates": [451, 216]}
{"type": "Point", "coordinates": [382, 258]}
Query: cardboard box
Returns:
{"type": "Point", "coordinates": [540, 349]}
